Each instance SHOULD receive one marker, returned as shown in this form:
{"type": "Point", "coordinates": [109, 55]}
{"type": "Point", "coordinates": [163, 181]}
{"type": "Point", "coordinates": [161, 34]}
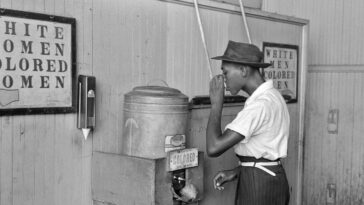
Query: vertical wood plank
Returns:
{"type": "Point", "coordinates": [357, 166]}
{"type": "Point", "coordinates": [28, 5]}
{"type": "Point", "coordinates": [345, 98]}
{"type": "Point", "coordinates": [59, 7]}
{"type": "Point", "coordinates": [87, 146]}
{"type": "Point", "coordinates": [325, 140]}
{"type": "Point", "coordinates": [6, 160]}
{"type": "Point", "coordinates": [330, 143]}
{"type": "Point", "coordinates": [318, 134]}
{"type": "Point", "coordinates": [44, 161]}
{"type": "Point", "coordinates": [49, 6]}
{"type": "Point", "coordinates": [38, 5]}
{"type": "Point", "coordinates": [17, 4]}
{"type": "Point", "coordinates": [306, 145]}
{"type": "Point", "coordinates": [310, 141]}
{"type": "Point", "coordinates": [29, 159]}
{"type": "Point", "coordinates": [19, 192]}
{"type": "Point", "coordinates": [6, 4]}
{"type": "Point", "coordinates": [45, 142]}
{"type": "Point", "coordinates": [64, 163]}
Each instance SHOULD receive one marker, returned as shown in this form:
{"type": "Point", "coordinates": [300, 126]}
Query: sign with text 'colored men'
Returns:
{"type": "Point", "coordinates": [284, 68]}
{"type": "Point", "coordinates": [37, 63]}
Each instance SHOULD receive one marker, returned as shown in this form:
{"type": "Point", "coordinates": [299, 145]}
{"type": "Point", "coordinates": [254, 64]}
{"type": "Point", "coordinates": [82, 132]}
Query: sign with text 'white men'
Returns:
{"type": "Point", "coordinates": [36, 63]}
{"type": "Point", "coordinates": [284, 68]}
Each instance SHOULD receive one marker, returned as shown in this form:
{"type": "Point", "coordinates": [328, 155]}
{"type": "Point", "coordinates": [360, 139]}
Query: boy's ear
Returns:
{"type": "Point", "coordinates": [244, 71]}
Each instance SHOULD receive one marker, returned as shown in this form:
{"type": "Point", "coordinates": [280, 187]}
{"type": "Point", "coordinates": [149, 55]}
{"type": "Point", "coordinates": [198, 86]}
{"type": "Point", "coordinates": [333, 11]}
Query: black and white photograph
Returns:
{"type": "Point", "coordinates": [181, 102]}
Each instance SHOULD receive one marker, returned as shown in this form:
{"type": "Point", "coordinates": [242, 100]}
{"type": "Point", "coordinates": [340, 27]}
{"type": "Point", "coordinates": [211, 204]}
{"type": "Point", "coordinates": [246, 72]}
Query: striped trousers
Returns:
{"type": "Point", "coordinates": [257, 187]}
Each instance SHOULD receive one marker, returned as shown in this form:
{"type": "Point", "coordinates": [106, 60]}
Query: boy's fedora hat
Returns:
{"type": "Point", "coordinates": [243, 53]}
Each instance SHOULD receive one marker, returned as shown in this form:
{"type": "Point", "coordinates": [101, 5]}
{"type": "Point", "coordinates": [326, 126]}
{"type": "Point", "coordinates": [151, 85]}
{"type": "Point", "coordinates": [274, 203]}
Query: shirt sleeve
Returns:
{"type": "Point", "coordinates": [249, 120]}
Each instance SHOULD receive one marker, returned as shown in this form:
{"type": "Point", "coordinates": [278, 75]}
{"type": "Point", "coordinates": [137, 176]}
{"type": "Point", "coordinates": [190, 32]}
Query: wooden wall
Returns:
{"type": "Point", "coordinates": [334, 158]}
{"type": "Point", "coordinates": [335, 81]}
{"type": "Point", "coordinates": [188, 72]}
{"type": "Point", "coordinates": [43, 158]}
{"type": "Point", "coordinates": [130, 45]}
{"type": "Point", "coordinates": [335, 28]}
{"type": "Point", "coordinates": [161, 41]}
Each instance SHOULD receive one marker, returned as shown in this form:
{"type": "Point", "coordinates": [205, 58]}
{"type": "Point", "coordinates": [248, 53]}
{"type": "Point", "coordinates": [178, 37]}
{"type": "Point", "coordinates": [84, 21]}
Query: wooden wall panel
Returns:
{"type": "Point", "coordinates": [357, 155]}
{"type": "Point", "coordinates": [129, 41]}
{"type": "Point", "coordinates": [334, 158]}
{"type": "Point", "coordinates": [44, 159]}
{"type": "Point", "coordinates": [335, 82]}
{"type": "Point", "coordinates": [187, 70]}
{"type": "Point", "coordinates": [44, 162]}
{"type": "Point", "coordinates": [247, 3]}
{"type": "Point", "coordinates": [6, 166]}
{"type": "Point", "coordinates": [186, 62]}
{"type": "Point", "coordinates": [344, 97]}
{"type": "Point", "coordinates": [335, 28]}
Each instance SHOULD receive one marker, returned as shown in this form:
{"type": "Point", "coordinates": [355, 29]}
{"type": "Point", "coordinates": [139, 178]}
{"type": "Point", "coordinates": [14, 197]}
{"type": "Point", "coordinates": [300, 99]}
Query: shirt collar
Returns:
{"type": "Point", "coordinates": [260, 90]}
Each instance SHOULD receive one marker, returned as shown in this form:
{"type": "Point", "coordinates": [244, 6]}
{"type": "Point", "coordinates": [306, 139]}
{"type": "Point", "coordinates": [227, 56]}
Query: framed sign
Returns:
{"type": "Point", "coordinates": [182, 159]}
{"type": "Point", "coordinates": [37, 63]}
{"type": "Point", "coordinates": [284, 68]}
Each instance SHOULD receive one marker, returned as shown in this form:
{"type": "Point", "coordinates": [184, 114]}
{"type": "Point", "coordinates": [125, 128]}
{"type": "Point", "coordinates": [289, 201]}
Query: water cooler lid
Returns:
{"type": "Point", "coordinates": [156, 94]}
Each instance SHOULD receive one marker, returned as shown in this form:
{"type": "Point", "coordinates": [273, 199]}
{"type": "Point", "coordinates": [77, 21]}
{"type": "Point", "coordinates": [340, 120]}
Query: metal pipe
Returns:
{"type": "Point", "coordinates": [244, 20]}
{"type": "Point", "coordinates": [203, 37]}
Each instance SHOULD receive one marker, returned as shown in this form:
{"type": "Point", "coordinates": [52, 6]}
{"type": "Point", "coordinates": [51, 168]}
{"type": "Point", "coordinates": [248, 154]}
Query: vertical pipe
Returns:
{"type": "Point", "coordinates": [244, 20]}
{"type": "Point", "coordinates": [203, 37]}
{"type": "Point", "coordinates": [302, 97]}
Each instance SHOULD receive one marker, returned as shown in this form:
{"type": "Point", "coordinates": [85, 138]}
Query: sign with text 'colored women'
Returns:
{"type": "Point", "coordinates": [37, 68]}
{"type": "Point", "coordinates": [284, 68]}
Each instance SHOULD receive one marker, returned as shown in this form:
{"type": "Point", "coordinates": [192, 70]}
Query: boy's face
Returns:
{"type": "Point", "coordinates": [233, 75]}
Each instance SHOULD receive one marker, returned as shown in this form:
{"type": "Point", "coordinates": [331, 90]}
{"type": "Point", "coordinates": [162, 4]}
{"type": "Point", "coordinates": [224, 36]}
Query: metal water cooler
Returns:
{"type": "Point", "coordinates": [155, 166]}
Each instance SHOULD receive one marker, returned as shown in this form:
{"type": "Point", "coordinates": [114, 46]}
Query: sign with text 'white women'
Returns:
{"type": "Point", "coordinates": [36, 63]}
{"type": "Point", "coordinates": [284, 68]}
